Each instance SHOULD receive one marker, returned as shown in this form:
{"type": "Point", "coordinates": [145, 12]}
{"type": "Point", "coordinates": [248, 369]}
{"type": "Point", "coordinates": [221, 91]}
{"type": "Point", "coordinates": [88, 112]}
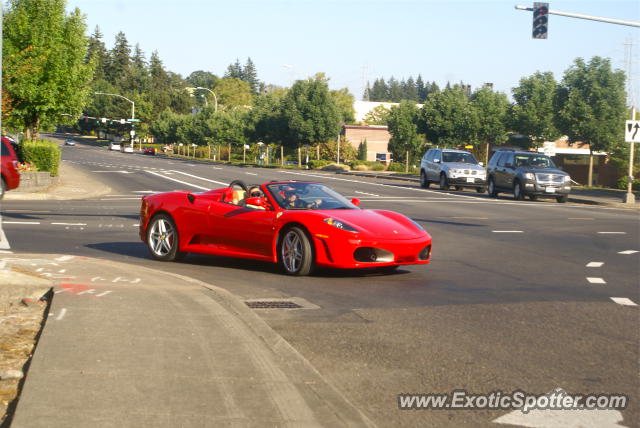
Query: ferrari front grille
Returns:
{"type": "Point", "coordinates": [372, 255]}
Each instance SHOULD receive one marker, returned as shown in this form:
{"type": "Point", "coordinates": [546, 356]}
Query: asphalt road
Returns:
{"type": "Point", "coordinates": [518, 294]}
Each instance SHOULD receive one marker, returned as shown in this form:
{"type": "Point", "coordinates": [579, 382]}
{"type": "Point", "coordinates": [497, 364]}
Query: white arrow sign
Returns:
{"type": "Point", "coordinates": [632, 131]}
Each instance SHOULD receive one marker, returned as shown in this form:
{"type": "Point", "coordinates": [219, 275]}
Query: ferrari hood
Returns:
{"type": "Point", "coordinates": [376, 223]}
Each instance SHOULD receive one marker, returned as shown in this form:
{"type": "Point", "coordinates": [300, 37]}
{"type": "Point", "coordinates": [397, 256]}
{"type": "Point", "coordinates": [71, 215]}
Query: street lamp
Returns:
{"type": "Point", "coordinates": [133, 113]}
{"type": "Point", "coordinates": [215, 98]}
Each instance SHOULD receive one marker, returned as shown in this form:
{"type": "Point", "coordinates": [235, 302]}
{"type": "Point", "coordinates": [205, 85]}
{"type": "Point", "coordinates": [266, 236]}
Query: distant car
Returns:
{"type": "Point", "coordinates": [149, 151]}
{"type": "Point", "coordinates": [9, 168]}
{"type": "Point", "coordinates": [114, 146]}
{"type": "Point", "coordinates": [126, 148]}
{"type": "Point", "coordinates": [449, 167]}
{"type": "Point", "coordinates": [69, 142]}
{"type": "Point", "coordinates": [527, 174]}
{"type": "Point", "coordinates": [299, 225]}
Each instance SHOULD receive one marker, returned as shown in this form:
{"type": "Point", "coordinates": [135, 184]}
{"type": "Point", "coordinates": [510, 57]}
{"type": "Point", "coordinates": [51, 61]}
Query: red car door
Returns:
{"type": "Point", "coordinates": [242, 230]}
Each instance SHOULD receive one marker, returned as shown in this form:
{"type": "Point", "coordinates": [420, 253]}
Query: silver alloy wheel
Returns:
{"type": "Point", "coordinates": [292, 252]}
{"type": "Point", "coordinates": [161, 237]}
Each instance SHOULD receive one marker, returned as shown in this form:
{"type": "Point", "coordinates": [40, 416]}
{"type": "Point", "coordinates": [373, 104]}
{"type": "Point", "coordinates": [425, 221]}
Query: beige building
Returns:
{"type": "Point", "coordinates": [376, 136]}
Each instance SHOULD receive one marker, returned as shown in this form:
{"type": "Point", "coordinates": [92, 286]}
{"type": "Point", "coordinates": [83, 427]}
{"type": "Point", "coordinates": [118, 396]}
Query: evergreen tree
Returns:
{"type": "Point", "coordinates": [379, 91]}
{"type": "Point", "coordinates": [234, 71]}
{"type": "Point", "coordinates": [395, 90]}
{"type": "Point", "coordinates": [250, 75]}
{"type": "Point", "coordinates": [118, 69]}
{"type": "Point", "coordinates": [410, 91]}
{"type": "Point", "coordinates": [97, 53]}
{"type": "Point", "coordinates": [420, 89]}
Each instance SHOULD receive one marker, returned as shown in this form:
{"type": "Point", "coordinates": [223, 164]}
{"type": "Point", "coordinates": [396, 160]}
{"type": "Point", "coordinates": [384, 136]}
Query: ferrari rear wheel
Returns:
{"type": "Point", "coordinates": [162, 239]}
{"type": "Point", "coordinates": [296, 252]}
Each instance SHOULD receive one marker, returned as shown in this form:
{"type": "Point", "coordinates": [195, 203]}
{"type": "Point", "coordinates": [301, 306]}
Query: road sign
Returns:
{"type": "Point", "coordinates": [632, 131]}
{"type": "Point", "coordinates": [549, 148]}
{"type": "Point", "coordinates": [132, 132]}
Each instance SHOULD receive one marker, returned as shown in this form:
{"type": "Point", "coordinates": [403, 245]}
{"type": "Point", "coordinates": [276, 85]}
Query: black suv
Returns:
{"type": "Point", "coordinates": [526, 174]}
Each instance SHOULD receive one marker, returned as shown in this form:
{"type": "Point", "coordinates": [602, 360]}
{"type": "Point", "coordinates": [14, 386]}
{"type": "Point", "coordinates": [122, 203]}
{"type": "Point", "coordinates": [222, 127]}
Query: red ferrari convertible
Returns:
{"type": "Point", "coordinates": [300, 225]}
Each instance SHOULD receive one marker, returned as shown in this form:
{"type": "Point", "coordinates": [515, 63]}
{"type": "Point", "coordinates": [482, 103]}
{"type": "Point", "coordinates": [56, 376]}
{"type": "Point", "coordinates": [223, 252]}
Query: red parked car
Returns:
{"type": "Point", "coordinates": [299, 225]}
{"type": "Point", "coordinates": [149, 151]}
{"type": "Point", "coordinates": [10, 175]}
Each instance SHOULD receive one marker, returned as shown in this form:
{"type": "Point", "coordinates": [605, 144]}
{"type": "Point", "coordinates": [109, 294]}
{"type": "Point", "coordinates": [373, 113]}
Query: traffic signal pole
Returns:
{"type": "Point", "coordinates": [589, 17]}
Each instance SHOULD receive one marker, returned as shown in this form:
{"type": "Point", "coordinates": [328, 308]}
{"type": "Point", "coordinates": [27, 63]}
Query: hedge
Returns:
{"type": "Point", "coordinates": [43, 154]}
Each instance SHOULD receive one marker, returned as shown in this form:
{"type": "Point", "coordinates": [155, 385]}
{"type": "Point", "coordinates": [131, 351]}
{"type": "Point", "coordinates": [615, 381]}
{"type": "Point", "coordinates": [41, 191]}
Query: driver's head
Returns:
{"type": "Point", "coordinates": [290, 195]}
{"type": "Point", "coordinates": [255, 192]}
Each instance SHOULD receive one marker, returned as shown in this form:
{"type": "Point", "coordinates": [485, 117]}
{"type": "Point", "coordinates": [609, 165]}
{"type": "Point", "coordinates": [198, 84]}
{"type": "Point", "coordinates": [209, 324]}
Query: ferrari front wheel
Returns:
{"type": "Point", "coordinates": [296, 252]}
{"type": "Point", "coordinates": [162, 239]}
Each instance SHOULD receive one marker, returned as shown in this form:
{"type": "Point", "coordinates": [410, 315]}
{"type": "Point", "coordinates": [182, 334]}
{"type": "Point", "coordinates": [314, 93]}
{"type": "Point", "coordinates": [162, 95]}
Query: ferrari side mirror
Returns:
{"type": "Point", "coordinates": [191, 197]}
{"type": "Point", "coordinates": [355, 201]}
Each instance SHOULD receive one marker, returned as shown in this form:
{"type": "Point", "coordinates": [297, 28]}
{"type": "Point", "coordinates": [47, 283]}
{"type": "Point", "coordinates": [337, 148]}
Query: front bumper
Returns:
{"type": "Point", "coordinates": [339, 252]}
{"type": "Point", "coordinates": [468, 181]}
{"type": "Point", "coordinates": [546, 189]}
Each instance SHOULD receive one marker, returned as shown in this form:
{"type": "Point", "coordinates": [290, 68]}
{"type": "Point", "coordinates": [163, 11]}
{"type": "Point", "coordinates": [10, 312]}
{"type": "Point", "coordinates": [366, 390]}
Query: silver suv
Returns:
{"type": "Point", "coordinates": [449, 167]}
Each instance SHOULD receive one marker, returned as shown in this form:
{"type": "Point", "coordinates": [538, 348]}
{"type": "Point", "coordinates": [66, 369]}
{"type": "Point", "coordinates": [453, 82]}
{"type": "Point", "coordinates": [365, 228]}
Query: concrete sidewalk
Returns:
{"type": "Point", "coordinates": [74, 184]}
{"type": "Point", "coordinates": [126, 346]}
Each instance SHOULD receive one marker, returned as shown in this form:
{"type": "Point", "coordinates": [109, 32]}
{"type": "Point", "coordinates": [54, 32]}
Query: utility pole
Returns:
{"type": "Point", "coordinates": [629, 197]}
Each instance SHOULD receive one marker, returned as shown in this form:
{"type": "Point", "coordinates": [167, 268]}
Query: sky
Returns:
{"type": "Point", "coordinates": [353, 41]}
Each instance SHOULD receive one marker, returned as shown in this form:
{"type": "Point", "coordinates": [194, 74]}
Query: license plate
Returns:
{"type": "Point", "coordinates": [471, 180]}
{"type": "Point", "coordinates": [550, 189]}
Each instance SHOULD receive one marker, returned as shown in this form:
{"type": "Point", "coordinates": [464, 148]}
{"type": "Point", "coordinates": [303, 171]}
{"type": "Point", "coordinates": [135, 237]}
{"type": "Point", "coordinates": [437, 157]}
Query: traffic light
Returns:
{"type": "Point", "coordinates": [540, 20]}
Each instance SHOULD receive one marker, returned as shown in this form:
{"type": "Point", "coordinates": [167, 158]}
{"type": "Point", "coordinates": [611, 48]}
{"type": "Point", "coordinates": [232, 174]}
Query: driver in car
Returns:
{"type": "Point", "coordinates": [292, 200]}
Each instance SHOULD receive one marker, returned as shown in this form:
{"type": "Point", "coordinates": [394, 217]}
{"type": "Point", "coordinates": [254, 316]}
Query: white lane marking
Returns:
{"type": "Point", "coordinates": [144, 191]}
{"type": "Point", "coordinates": [215, 167]}
{"type": "Point", "coordinates": [70, 224]}
{"type": "Point", "coordinates": [201, 178]}
{"type": "Point", "coordinates": [579, 218]}
{"type": "Point", "coordinates": [623, 301]}
{"type": "Point", "coordinates": [251, 173]}
{"type": "Point", "coordinates": [4, 242]}
{"type": "Point", "coordinates": [612, 233]}
{"type": "Point", "coordinates": [62, 313]}
{"type": "Point", "coordinates": [628, 252]}
{"type": "Point", "coordinates": [135, 225]}
{"type": "Point", "coordinates": [104, 293]}
{"type": "Point", "coordinates": [21, 222]}
{"type": "Point", "coordinates": [176, 180]}
{"type": "Point", "coordinates": [64, 258]}
{"type": "Point", "coordinates": [595, 264]}
{"type": "Point", "coordinates": [593, 280]}
{"type": "Point", "coordinates": [365, 193]}
{"type": "Point", "coordinates": [507, 231]}
{"type": "Point", "coordinates": [119, 172]}
{"type": "Point", "coordinates": [121, 199]}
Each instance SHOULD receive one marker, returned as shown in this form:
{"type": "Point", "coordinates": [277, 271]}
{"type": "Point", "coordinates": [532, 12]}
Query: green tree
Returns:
{"type": "Point", "coordinates": [97, 53]}
{"type": "Point", "coordinates": [379, 115]}
{"type": "Point", "coordinates": [403, 128]}
{"type": "Point", "coordinates": [203, 79]}
{"type": "Point", "coordinates": [379, 91]}
{"type": "Point", "coordinates": [362, 150]}
{"type": "Point", "coordinates": [447, 118]}
{"type": "Point", "coordinates": [344, 100]}
{"type": "Point", "coordinates": [395, 90]}
{"type": "Point", "coordinates": [491, 113]}
{"type": "Point", "coordinates": [591, 106]}
{"type": "Point", "coordinates": [533, 112]}
{"type": "Point", "coordinates": [118, 67]}
{"type": "Point", "coordinates": [234, 71]}
{"type": "Point", "coordinates": [310, 112]}
{"type": "Point", "coordinates": [267, 122]}
{"type": "Point", "coordinates": [46, 73]}
{"type": "Point", "coordinates": [250, 75]}
{"type": "Point", "coordinates": [233, 92]}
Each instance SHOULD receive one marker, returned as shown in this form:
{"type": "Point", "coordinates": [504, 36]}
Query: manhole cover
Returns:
{"type": "Point", "coordinates": [272, 304]}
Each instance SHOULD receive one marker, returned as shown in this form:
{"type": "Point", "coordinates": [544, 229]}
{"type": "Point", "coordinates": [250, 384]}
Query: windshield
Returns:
{"type": "Point", "coordinates": [308, 196]}
{"type": "Point", "coordinates": [458, 157]}
{"type": "Point", "coordinates": [534, 161]}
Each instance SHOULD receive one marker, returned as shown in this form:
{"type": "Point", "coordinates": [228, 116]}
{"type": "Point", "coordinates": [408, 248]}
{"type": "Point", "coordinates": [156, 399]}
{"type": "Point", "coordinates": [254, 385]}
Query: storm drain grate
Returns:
{"type": "Point", "coordinates": [272, 304]}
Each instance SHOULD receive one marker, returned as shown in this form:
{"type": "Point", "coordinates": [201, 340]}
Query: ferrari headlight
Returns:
{"type": "Point", "coordinates": [340, 225]}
